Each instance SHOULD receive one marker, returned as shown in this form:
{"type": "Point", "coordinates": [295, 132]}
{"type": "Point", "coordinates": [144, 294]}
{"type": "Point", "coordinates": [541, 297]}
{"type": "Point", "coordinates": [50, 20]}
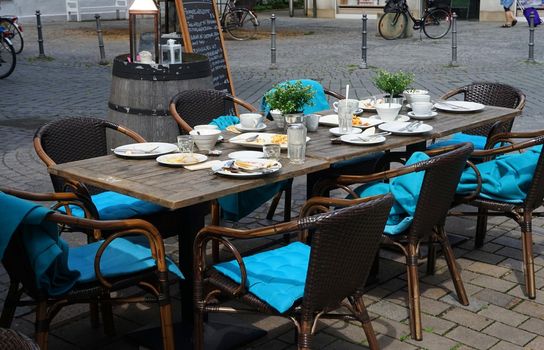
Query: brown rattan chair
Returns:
{"type": "Point", "coordinates": [153, 279]}
{"type": "Point", "coordinates": [521, 213]}
{"type": "Point", "coordinates": [442, 173]}
{"type": "Point", "coordinates": [10, 339]}
{"type": "Point", "coordinates": [344, 243]}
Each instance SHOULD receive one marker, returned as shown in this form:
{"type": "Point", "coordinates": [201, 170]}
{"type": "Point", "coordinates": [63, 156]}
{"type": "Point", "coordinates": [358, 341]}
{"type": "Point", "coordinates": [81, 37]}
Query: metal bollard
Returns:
{"type": "Point", "coordinates": [363, 64]}
{"type": "Point", "coordinates": [531, 38]}
{"type": "Point", "coordinates": [454, 40]}
{"type": "Point", "coordinates": [273, 42]}
{"type": "Point", "coordinates": [40, 35]}
{"type": "Point", "coordinates": [103, 60]}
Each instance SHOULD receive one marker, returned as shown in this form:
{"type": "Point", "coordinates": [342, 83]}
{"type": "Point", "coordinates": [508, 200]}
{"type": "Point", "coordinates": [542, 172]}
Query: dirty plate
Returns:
{"type": "Point", "coordinates": [400, 128]}
{"type": "Point", "coordinates": [358, 122]}
{"type": "Point", "coordinates": [145, 149]}
{"type": "Point", "coordinates": [181, 159]}
{"type": "Point", "coordinates": [257, 140]}
{"type": "Point", "coordinates": [247, 167]}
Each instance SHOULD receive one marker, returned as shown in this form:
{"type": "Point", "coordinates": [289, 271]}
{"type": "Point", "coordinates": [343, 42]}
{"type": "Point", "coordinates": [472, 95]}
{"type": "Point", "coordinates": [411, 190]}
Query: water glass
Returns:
{"type": "Point", "coordinates": [312, 121]}
{"type": "Point", "coordinates": [296, 143]}
{"type": "Point", "coordinates": [345, 114]}
{"type": "Point", "coordinates": [185, 143]}
{"type": "Point", "coordinates": [272, 151]}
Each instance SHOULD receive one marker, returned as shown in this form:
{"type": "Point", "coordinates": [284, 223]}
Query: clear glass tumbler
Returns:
{"type": "Point", "coordinates": [272, 151]}
{"type": "Point", "coordinates": [185, 143]}
{"type": "Point", "coordinates": [345, 115]}
{"type": "Point", "coordinates": [296, 143]}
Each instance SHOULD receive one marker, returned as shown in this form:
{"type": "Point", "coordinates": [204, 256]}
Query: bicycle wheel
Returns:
{"type": "Point", "coordinates": [241, 24]}
{"type": "Point", "coordinates": [7, 58]}
{"type": "Point", "coordinates": [13, 34]}
{"type": "Point", "coordinates": [392, 25]}
{"type": "Point", "coordinates": [437, 23]}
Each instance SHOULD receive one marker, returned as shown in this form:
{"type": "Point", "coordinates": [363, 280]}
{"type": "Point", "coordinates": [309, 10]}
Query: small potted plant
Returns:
{"type": "Point", "coordinates": [393, 83]}
{"type": "Point", "coordinates": [290, 99]}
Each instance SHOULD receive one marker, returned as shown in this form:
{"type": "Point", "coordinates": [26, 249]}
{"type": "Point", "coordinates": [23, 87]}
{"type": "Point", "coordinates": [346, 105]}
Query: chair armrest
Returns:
{"type": "Point", "coordinates": [478, 189]}
{"type": "Point", "coordinates": [130, 133]}
{"type": "Point", "coordinates": [452, 93]}
{"type": "Point", "coordinates": [333, 94]}
{"type": "Point", "coordinates": [182, 124]}
{"type": "Point", "coordinates": [535, 138]}
{"type": "Point", "coordinates": [244, 104]}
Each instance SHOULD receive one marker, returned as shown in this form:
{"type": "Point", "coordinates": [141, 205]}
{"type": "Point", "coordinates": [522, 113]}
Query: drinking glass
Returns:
{"type": "Point", "coordinates": [312, 121]}
{"type": "Point", "coordinates": [296, 143]}
{"type": "Point", "coordinates": [345, 115]}
{"type": "Point", "coordinates": [185, 143]}
{"type": "Point", "coordinates": [272, 151]}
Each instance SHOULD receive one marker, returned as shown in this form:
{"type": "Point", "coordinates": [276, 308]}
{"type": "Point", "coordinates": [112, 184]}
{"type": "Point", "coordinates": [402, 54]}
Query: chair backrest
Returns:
{"type": "Point", "coordinates": [344, 245]}
{"type": "Point", "coordinates": [70, 139]}
{"type": "Point", "coordinates": [202, 106]}
{"type": "Point", "coordinates": [492, 94]}
{"type": "Point", "coordinates": [535, 194]}
{"type": "Point", "coordinates": [442, 174]}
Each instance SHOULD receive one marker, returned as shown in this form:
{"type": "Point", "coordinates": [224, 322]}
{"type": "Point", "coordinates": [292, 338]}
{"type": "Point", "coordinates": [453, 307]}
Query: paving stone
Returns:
{"type": "Point", "coordinates": [474, 305]}
{"type": "Point", "coordinates": [533, 325]}
{"type": "Point", "coordinates": [493, 283]}
{"type": "Point", "coordinates": [484, 257]}
{"type": "Point", "coordinates": [530, 308]}
{"type": "Point", "coordinates": [519, 278]}
{"type": "Point", "coordinates": [503, 315]}
{"type": "Point", "coordinates": [520, 292]}
{"type": "Point", "coordinates": [342, 344]}
{"type": "Point", "coordinates": [497, 298]}
{"type": "Point", "coordinates": [432, 324]}
{"type": "Point", "coordinates": [488, 269]}
{"type": "Point", "coordinates": [503, 345]}
{"type": "Point", "coordinates": [467, 318]}
{"type": "Point", "coordinates": [390, 327]}
{"type": "Point", "coordinates": [509, 333]}
{"type": "Point", "coordinates": [432, 341]}
{"type": "Point", "coordinates": [389, 310]}
{"type": "Point", "coordinates": [536, 344]}
{"type": "Point", "coordinates": [472, 338]}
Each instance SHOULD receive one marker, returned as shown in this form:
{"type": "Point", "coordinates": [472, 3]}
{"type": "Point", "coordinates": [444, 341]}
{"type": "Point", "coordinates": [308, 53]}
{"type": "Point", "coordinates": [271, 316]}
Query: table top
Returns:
{"type": "Point", "coordinates": [176, 188]}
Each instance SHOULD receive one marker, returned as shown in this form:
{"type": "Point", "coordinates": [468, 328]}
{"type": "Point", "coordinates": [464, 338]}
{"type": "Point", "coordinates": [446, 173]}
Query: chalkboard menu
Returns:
{"type": "Point", "coordinates": [202, 34]}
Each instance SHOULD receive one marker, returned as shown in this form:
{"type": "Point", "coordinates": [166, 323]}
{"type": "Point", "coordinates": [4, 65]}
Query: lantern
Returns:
{"type": "Point", "coordinates": [171, 52]}
{"type": "Point", "coordinates": [142, 8]}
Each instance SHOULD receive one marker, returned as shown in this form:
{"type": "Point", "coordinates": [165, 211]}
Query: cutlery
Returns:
{"type": "Point", "coordinates": [135, 150]}
{"type": "Point", "coordinates": [251, 138]}
{"type": "Point", "coordinates": [411, 126]}
{"type": "Point", "coordinates": [365, 138]}
{"type": "Point", "coordinates": [451, 105]}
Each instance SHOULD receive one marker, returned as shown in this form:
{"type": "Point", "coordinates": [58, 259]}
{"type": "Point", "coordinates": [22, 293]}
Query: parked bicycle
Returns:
{"type": "Point", "coordinates": [7, 55]}
{"type": "Point", "coordinates": [435, 22]}
{"type": "Point", "coordinates": [13, 31]}
{"type": "Point", "coordinates": [241, 23]}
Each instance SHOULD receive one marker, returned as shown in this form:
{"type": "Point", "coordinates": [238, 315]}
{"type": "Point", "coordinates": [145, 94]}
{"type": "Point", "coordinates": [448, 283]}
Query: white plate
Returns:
{"type": "Point", "coordinates": [370, 105]}
{"type": "Point", "coordinates": [259, 127]}
{"type": "Point", "coordinates": [399, 118]}
{"type": "Point", "coordinates": [246, 155]}
{"type": "Point", "coordinates": [181, 159]}
{"type": "Point", "coordinates": [145, 149]}
{"type": "Point", "coordinates": [332, 120]}
{"type": "Point", "coordinates": [262, 139]}
{"type": "Point", "coordinates": [422, 117]}
{"type": "Point", "coordinates": [336, 131]}
{"type": "Point", "coordinates": [396, 128]}
{"type": "Point", "coordinates": [360, 139]}
{"type": "Point", "coordinates": [270, 166]}
{"type": "Point", "coordinates": [459, 106]}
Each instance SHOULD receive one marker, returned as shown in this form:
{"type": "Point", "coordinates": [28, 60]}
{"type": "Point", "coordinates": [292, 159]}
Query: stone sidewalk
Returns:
{"type": "Point", "coordinates": [499, 316]}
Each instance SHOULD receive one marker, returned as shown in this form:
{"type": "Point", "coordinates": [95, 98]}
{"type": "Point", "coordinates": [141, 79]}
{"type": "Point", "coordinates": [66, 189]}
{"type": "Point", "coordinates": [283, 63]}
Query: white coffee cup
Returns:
{"type": "Point", "coordinates": [422, 108]}
{"type": "Point", "coordinates": [420, 98]}
{"type": "Point", "coordinates": [206, 127]}
{"type": "Point", "coordinates": [251, 120]}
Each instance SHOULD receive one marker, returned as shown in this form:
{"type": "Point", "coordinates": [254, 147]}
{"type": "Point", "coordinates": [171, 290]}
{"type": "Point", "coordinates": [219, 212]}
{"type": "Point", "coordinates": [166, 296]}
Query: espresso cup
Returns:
{"type": "Point", "coordinates": [251, 120]}
{"type": "Point", "coordinates": [422, 108]}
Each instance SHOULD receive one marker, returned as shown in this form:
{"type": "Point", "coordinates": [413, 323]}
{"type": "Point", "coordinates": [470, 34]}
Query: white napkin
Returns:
{"type": "Point", "coordinates": [205, 165]}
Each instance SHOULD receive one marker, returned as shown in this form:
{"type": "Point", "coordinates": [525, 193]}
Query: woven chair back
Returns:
{"type": "Point", "coordinates": [197, 107]}
{"type": "Point", "coordinates": [70, 139]}
{"type": "Point", "coordinates": [493, 94]}
{"type": "Point", "coordinates": [535, 194]}
{"type": "Point", "coordinates": [344, 245]}
{"type": "Point", "coordinates": [442, 174]}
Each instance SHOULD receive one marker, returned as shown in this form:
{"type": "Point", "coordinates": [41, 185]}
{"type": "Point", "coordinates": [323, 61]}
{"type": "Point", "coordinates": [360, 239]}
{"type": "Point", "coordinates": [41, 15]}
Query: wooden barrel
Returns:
{"type": "Point", "coordinates": [140, 95]}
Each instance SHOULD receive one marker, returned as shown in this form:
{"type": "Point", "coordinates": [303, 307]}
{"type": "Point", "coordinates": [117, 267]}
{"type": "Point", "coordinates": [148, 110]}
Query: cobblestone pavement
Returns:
{"type": "Point", "coordinates": [71, 83]}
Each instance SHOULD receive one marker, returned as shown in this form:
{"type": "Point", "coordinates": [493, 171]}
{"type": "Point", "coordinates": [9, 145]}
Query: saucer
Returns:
{"type": "Point", "coordinates": [399, 118]}
{"type": "Point", "coordinates": [259, 127]}
{"type": "Point", "coordinates": [423, 116]}
{"type": "Point", "coordinates": [336, 131]}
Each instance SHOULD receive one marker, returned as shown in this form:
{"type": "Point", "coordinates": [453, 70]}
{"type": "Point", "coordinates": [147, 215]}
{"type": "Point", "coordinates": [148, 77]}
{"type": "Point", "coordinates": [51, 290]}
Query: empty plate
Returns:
{"type": "Point", "coordinates": [399, 118]}
{"type": "Point", "coordinates": [400, 128]}
{"type": "Point", "coordinates": [422, 117]}
{"type": "Point", "coordinates": [459, 106]}
{"type": "Point", "coordinates": [259, 127]}
{"type": "Point", "coordinates": [145, 149]}
{"type": "Point", "coordinates": [246, 155]}
{"type": "Point", "coordinates": [362, 139]}
{"type": "Point", "coordinates": [336, 131]}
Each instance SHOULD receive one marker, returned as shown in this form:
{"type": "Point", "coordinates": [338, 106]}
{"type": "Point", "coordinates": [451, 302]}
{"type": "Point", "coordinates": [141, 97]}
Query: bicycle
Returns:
{"type": "Point", "coordinates": [13, 31]}
{"type": "Point", "coordinates": [435, 22]}
{"type": "Point", "coordinates": [7, 55]}
{"type": "Point", "coordinates": [241, 23]}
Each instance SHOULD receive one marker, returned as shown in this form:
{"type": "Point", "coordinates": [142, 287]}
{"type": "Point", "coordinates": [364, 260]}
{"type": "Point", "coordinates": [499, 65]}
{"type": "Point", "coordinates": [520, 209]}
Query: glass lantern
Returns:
{"type": "Point", "coordinates": [171, 52]}
{"type": "Point", "coordinates": [143, 8]}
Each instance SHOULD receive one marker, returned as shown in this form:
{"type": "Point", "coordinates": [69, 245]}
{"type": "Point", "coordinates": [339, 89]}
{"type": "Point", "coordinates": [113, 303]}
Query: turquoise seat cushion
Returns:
{"type": "Point", "coordinates": [113, 206]}
{"type": "Point", "coordinates": [506, 178]}
{"type": "Point", "coordinates": [238, 205]}
{"type": "Point", "coordinates": [276, 276]}
{"type": "Point", "coordinates": [477, 140]}
{"type": "Point", "coordinates": [319, 100]}
{"type": "Point", "coordinates": [405, 190]}
{"type": "Point", "coordinates": [224, 121]}
{"type": "Point", "coordinates": [121, 257]}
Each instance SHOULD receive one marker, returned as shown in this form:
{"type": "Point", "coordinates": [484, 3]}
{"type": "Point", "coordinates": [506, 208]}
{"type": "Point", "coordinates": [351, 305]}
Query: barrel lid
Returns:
{"type": "Point", "coordinates": [194, 66]}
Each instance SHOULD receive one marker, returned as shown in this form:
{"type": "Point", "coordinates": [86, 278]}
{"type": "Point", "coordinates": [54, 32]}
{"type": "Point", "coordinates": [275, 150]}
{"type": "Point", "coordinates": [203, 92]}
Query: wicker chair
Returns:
{"type": "Point", "coordinates": [70, 139]}
{"type": "Point", "coordinates": [12, 340]}
{"type": "Point", "coordinates": [22, 275]}
{"type": "Point", "coordinates": [343, 245]}
{"type": "Point", "coordinates": [521, 213]}
{"type": "Point", "coordinates": [442, 173]}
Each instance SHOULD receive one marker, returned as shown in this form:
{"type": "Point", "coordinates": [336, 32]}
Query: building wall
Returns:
{"type": "Point", "coordinates": [27, 8]}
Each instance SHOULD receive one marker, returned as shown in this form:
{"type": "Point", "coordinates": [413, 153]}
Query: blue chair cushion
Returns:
{"type": "Point", "coordinates": [506, 178]}
{"type": "Point", "coordinates": [319, 100]}
{"type": "Point", "coordinates": [114, 206]}
{"type": "Point", "coordinates": [405, 190]}
{"type": "Point", "coordinates": [121, 257]}
{"type": "Point", "coordinates": [276, 276]}
{"type": "Point", "coordinates": [477, 140]}
{"type": "Point", "coordinates": [224, 121]}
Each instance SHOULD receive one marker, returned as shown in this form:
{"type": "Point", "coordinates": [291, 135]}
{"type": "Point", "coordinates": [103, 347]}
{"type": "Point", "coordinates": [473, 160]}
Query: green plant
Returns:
{"type": "Point", "coordinates": [392, 83]}
{"type": "Point", "coordinates": [290, 97]}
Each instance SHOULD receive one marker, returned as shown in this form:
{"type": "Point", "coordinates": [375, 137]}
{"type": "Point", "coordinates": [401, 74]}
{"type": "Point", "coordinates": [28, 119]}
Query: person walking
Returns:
{"type": "Point", "coordinates": [508, 14]}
